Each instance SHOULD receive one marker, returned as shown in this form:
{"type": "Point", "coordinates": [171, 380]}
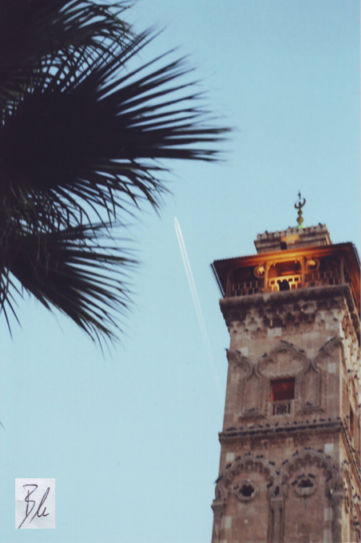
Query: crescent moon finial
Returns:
{"type": "Point", "coordinates": [299, 205]}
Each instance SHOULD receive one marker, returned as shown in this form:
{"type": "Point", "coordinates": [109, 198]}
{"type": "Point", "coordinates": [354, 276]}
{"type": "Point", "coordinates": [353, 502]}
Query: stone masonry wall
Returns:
{"type": "Point", "coordinates": [290, 475]}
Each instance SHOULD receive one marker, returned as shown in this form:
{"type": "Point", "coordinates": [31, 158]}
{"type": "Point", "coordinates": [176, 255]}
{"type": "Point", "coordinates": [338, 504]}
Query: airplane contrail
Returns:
{"type": "Point", "coordinates": [196, 303]}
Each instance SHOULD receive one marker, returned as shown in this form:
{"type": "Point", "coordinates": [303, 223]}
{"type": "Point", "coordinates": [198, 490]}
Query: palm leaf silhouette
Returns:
{"type": "Point", "coordinates": [84, 140]}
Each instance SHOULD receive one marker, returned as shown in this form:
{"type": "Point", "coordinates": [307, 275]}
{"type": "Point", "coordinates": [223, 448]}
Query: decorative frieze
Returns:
{"type": "Point", "coordinates": [284, 309]}
{"type": "Point", "coordinates": [252, 379]}
{"type": "Point", "coordinates": [301, 473]}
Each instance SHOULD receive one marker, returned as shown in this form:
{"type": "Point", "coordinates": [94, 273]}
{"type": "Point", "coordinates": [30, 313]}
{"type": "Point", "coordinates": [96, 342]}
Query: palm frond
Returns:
{"type": "Point", "coordinates": [72, 270]}
{"type": "Point", "coordinates": [38, 35]}
{"type": "Point", "coordinates": [86, 136]}
{"type": "Point", "coordinates": [96, 139]}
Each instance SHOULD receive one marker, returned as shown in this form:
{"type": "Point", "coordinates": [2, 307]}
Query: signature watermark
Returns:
{"type": "Point", "coordinates": [34, 503]}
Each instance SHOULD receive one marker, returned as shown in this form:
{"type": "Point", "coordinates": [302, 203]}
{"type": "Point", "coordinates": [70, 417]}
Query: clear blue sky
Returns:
{"type": "Point", "coordinates": [131, 435]}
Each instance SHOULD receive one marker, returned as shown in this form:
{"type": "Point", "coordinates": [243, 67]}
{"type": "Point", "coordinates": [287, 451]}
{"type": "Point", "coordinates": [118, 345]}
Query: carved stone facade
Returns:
{"type": "Point", "coordinates": [290, 469]}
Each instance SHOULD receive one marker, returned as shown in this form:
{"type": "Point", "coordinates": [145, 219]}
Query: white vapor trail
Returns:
{"type": "Point", "coordinates": [196, 302]}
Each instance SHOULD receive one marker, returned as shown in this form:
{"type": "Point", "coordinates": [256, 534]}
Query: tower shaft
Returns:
{"type": "Point", "coordinates": [290, 468]}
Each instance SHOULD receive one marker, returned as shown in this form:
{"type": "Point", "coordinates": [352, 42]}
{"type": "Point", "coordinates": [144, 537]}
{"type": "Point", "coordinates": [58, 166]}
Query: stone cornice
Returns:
{"type": "Point", "coordinates": [351, 450]}
{"type": "Point", "coordinates": [236, 307]}
{"type": "Point", "coordinates": [288, 296]}
{"type": "Point", "coordinates": [273, 431]}
{"type": "Point", "coordinates": [268, 431]}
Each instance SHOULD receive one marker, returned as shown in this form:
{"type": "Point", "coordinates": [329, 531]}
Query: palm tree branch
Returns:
{"type": "Point", "coordinates": [73, 271]}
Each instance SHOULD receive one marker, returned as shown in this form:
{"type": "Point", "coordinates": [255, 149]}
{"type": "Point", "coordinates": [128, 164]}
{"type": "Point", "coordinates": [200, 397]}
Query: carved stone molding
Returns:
{"type": "Point", "coordinates": [284, 359]}
{"type": "Point", "coordinates": [253, 377]}
{"type": "Point", "coordinates": [249, 463]}
{"type": "Point", "coordinates": [278, 479]}
{"type": "Point", "coordinates": [311, 389]}
{"type": "Point", "coordinates": [274, 431]}
{"type": "Point", "coordinates": [333, 480]}
{"type": "Point", "coordinates": [305, 485]}
{"type": "Point", "coordinates": [240, 363]}
{"type": "Point", "coordinates": [329, 349]}
{"type": "Point", "coordinates": [246, 491]}
{"type": "Point", "coordinates": [252, 391]}
{"type": "Point", "coordinates": [250, 385]}
{"type": "Point", "coordinates": [287, 308]}
{"type": "Point", "coordinates": [347, 490]}
{"type": "Point", "coordinates": [225, 487]}
{"type": "Point", "coordinates": [310, 456]}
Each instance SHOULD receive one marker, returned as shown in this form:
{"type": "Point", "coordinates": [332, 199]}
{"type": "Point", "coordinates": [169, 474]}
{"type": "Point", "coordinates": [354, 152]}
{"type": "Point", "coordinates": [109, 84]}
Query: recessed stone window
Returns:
{"type": "Point", "coordinates": [282, 394]}
{"type": "Point", "coordinates": [304, 485]}
{"type": "Point", "coordinates": [245, 491]}
{"type": "Point", "coordinates": [282, 389]}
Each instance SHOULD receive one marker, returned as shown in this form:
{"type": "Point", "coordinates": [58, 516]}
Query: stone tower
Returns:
{"type": "Point", "coordinates": [290, 469]}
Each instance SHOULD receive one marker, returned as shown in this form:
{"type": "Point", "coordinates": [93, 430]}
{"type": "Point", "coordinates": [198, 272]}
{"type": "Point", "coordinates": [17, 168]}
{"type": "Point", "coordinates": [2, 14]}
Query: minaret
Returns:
{"type": "Point", "coordinates": [290, 468]}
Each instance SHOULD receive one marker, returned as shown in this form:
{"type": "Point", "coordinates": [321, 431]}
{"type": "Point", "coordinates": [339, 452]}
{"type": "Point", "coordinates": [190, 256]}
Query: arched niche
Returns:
{"type": "Point", "coordinates": [312, 483]}
{"type": "Point", "coordinates": [283, 360]}
{"type": "Point", "coordinates": [329, 362]}
{"type": "Point", "coordinates": [330, 355]}
{"type": "Point", "coordinates": [240, 365]}
{"type": "Point", "coordinates": [250, 385]}
{"type": "Point", "coordinates": [252, 393]}
{"type": "Point", "coordinates": [242, 498]}
{"type": "Point", "coordinates": [285, 363]}
{"type": "Point", "coordinates": [311, 388]}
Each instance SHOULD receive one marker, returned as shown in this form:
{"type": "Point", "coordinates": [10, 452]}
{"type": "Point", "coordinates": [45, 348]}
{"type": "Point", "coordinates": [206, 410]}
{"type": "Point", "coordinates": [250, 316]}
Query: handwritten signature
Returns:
{"type": "Point", "coordinates": [31, 505]}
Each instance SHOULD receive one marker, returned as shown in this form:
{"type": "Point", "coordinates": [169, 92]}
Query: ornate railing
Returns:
{"type": "Point", "coordinates": [276, 277]}
{"type": "Point", "coordinates": [295, 281]}
{"type": "Point", "coordinates": [244, 288]}
{"type": "Point", "coordinates": [282, 407]}
{"type": "Point", "coordinates": [275, 283]}
{"type": "Point", "coordinates": [318, 278]}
